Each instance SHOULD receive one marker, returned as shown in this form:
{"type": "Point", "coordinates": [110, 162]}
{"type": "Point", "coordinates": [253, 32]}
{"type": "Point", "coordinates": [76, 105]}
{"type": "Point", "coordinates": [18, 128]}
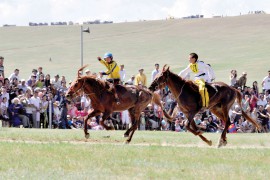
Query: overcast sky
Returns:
{"type": "Point", "coordinates": [21, 12]}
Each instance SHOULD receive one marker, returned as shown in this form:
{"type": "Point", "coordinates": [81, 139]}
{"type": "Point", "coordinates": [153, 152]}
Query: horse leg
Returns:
{"type": "Point", "coordinates": [219, 112]}
{"type": "Point", "coordinates": [197, 133]}
{"type": "Point", "coordinates": [135, 116]}
{"type": "Point", "coordinates": [92, 114]}
{"type": "Point", "coordinates": [132, 117]}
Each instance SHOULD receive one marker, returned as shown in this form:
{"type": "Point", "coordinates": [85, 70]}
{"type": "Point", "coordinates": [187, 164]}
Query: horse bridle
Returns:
{"type": "Point", "coordinates": [82, 90]}
{"type": "Point", "coordinates": [165, 82]}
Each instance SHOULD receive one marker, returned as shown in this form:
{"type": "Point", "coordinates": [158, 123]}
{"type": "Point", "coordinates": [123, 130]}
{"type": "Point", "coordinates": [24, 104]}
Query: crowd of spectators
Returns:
{"type": "Point", "coordinates": [30, 103]}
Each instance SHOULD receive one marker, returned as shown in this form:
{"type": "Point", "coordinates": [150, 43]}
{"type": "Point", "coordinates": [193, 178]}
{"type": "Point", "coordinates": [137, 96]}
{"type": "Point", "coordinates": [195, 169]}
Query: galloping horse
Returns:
{"type": "Point", "coordinates": [131, 97]}
{"type": "Point", "coordinates": [221, 98]}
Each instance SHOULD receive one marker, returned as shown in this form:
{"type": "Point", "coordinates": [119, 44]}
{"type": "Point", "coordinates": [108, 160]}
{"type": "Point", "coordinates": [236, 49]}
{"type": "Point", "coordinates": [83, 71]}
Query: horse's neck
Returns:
{"type": "Point", "coordinates": [176, 87]}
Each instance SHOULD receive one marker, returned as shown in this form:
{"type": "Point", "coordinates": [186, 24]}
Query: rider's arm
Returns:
{"type": "Point", "coordinates": [185, 72]}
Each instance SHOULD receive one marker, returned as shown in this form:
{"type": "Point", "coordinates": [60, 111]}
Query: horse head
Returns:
{"type": "Point", "coordinates": [161, 79]}
{"type": "Point", "coordinates": [75, 88]}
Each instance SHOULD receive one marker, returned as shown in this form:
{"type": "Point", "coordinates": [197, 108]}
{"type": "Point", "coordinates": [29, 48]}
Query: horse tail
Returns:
{"type": "Point", "coordinates": [247, 117]}
{"type": "Point", "coordinates": [156, 100]}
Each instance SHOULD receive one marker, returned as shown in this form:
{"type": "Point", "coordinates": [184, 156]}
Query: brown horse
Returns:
{"type": "Point", "coordinates": [221, 98]}
{"type": "Point", "coordinates": [133, 98]}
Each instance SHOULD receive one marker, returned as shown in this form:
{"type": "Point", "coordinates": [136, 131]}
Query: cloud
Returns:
{"type": "Point", "coordinates": [182, 8]}
{"type": "Point", "coordinates": [21, 12]}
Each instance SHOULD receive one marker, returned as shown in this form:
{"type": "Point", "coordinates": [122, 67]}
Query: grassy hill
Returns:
{"type": "Point", "coordinates": [240, 43]}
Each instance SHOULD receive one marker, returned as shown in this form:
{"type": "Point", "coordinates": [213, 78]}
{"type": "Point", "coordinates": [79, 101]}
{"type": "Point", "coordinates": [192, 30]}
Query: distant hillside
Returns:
{"type": "Point", "coordinates": [240, 43]}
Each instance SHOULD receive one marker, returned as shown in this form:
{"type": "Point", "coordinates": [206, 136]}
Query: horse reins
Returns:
{"type": "Point", "coordinates": [82, 89]}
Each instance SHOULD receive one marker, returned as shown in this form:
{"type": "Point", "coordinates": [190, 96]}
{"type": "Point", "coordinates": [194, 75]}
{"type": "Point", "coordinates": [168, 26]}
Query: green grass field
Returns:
{"type": "Point", "coordinates": [226, 43]}
{"type": "Point", "coordinates": [64, 154]}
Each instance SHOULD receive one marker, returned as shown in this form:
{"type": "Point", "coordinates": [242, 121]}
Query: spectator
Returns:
{"type": "Point", "coordinates": [140, 78]}
{"type": "Point", "coordinates": [39, 72]}
{"type": "Point", "coordinates": [44, 122]}
{"type": "Point", "coordinates": [131, 80]}
{"type": "Point", "coordinates": [155, 72]}
{"type": "Point", "coordinates": [242, 81]}
{"type": "Point", "coordinates": [64, 107]}
{"type": "Point", "coordinates": [14, 75]}
{"type": "Point", "coordinates": [253, 101]}
{"type": "Point", "coordinates": [255, 88]}
{"type": "Point", "coordinates": [142, 121]}
{"type": "Point", "coordinates": [14, 108]}
{"type": "Point", "coordinates": [122, 73]}
{"type": "Point", "coordinates": [23, 85]}
{"type": "Point", "coordinates": [47, 81]}
{"type": "Point", "coordinates": [4, 113]}
{"type": "Point", "coordinates": [32, 81]}
{"type": "Point", "coordinates": [263, 118]}
{"type": "Point", "coordinates": [261, 101]}
{"type": "Point", "coordinates": [36, 102]}
{"type": "Point", "coordinates": [266, 82]}
{"type": "Point", "coordinates": [87, 72]}
{"type": "Point", "coordinates": [125, 119]}
{"type": "Point", "coordinates": [56, 82]}
{"type": "Point", "coordinates": [57, 113]}
{"type": "Point", "coordinates": [40, 82]}
{"type": "Point", "coordinates": [5, 94]}
{"type": "Point", "coordinates": [34, 72]}
{"type": "Point", "coordinates": [233, 78]}
{"type": "Point", "coordinates": [2, 69]}
{"type": "Point", "coordinates": [198, 122]}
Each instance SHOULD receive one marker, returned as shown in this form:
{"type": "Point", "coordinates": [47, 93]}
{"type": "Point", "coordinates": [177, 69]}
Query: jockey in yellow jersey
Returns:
{"type": "Point", "coordinates": [202, 73]}
{"type": "Point", "coordinates": [112, 72]}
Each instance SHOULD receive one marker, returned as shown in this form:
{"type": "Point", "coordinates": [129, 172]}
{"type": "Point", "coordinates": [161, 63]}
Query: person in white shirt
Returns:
{"type": "Point", "coordinates": [14, 75]}
{"type": "Point", "coordinates": [56, 82]}
{"type": "Point", "coordinates": [122, 73]}
{"type": "Point", "coordinates": [266, 82]}
{"type": "Point", "coordinates": [155, 72]}
{"type": "Point", "coordinates": [36, 102]}
{"type": "Point", "coordinates": [202, 73]}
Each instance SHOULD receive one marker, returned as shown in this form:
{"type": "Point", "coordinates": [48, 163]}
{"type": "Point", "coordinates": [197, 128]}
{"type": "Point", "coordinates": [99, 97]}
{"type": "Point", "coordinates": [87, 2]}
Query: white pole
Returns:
{"type": "Point", "coordinates": [50, 114]}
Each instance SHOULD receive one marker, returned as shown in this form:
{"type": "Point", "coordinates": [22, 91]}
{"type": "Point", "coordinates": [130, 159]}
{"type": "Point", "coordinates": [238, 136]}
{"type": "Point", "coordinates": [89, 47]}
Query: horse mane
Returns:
{"type": "Point", "coordinates": [97, 85]}
{"type": "Point", "coordinates": [175, 78]}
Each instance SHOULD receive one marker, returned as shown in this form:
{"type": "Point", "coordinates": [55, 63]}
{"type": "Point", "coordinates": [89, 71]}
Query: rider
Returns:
{"type": "Point", "coordinates": [113, 72]}
{"type": "Point", "coordinates": [202, 72]}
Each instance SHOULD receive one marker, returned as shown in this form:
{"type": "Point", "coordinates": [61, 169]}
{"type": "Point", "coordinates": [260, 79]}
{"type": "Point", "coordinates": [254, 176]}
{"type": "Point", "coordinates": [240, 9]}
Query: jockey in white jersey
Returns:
{"type": "Point", "coordinates": [202, 73]}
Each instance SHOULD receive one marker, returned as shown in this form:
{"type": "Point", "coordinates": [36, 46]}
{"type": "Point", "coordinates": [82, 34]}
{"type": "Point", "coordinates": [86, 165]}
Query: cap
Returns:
{"type": "Point", "coordinates": [244, 73]}
{"type": "Point", "coordinates": [87, 70]}
{"type": "Point", "coordinates": [141, 69]}
{"type": "Point", "coordinates": [22, 80]}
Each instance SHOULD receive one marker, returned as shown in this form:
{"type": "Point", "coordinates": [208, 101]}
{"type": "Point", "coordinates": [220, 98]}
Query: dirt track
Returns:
{"type": "Point", "coordinates": [93, 142]}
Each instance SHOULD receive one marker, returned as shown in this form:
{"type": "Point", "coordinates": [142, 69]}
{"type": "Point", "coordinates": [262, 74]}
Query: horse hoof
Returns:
{"type": "Point", "coordinates": [126, 142]}
{"type": "Point", "coordinates": [125, 135]}
{"type": "Point", "coordinates": [87, 136]}
{"type": "Point", "coordinates": [209, 143]}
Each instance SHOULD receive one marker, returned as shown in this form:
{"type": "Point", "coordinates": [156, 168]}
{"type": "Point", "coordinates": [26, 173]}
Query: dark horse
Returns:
{"type": "Point", "coordinates": [221, 98]}
{"type": "Point", "coordinates": [133, 98]}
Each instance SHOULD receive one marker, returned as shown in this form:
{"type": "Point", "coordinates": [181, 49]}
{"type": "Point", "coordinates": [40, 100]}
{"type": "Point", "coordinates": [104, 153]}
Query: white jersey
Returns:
{"type": "Point", "coordinates": [266, 83]}
{"type": "Point", "coordinates": [204, 72]}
